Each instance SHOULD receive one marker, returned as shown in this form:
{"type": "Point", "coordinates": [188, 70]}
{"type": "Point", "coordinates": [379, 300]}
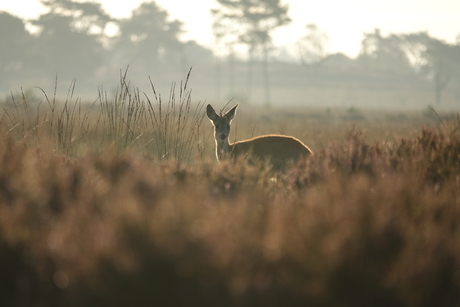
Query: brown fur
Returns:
{"type": "Point", "coordinates": [277, 149]}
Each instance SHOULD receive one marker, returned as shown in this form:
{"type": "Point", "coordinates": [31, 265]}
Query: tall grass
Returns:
{"type": "Point", "coordinates": [129, 120]}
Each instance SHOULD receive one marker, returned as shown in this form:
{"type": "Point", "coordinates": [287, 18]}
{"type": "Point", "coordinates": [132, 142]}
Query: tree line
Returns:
{"type": "Point", "coordinates": [80, 40]}
{"type": "Point", "coordinates": [72, 39]}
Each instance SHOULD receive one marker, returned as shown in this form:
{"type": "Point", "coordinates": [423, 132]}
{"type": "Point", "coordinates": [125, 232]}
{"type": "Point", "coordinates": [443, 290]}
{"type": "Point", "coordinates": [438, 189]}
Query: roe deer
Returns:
{"type": "Point", "coordinates": [277, 149]}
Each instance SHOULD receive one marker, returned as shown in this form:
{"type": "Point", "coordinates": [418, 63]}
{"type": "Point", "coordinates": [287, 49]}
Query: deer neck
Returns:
{"type": "Point", "coordinates": [223, 149]}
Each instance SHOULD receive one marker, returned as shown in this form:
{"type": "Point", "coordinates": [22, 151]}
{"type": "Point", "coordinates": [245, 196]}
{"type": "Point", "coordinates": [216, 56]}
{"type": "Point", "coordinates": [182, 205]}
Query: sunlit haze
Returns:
{"type": "Point", "coordinates": [344, 21]}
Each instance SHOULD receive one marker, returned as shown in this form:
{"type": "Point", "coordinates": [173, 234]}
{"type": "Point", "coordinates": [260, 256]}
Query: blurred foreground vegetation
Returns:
{"type": "Point", "coordinates": [120, 203]}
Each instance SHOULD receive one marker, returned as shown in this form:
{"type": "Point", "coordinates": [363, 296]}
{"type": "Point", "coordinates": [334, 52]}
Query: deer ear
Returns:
{"type": "Point", "coordinates": [211, 113]}
{"type": "Point", "coordinates": [231, 113]}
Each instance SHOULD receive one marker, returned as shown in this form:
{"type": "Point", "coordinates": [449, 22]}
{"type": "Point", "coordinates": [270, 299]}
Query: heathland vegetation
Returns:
{"type": "Point", "coordinates": [121, 202]}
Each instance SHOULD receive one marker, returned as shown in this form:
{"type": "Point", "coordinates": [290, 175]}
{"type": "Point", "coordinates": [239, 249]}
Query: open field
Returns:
{"type": "Point", "coordinates": [171, 125]}
{"type": "Point", "coordinates": [120, 203]}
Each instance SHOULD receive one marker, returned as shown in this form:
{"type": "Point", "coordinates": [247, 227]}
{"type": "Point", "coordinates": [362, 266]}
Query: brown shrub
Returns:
{"type": "Point", "coordinates": [356, 224]}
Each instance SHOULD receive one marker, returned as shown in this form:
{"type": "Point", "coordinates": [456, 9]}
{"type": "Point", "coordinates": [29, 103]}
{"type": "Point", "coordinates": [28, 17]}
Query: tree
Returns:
{"type": "Point", "coordinates": [383, 53]}
{"type": "Point", "coordinates": [148, 37]}
{"type": "Point", "coordinates": [434, 59]}
{"type": "Point", "coordinates": [87, 17]}
{"type": "Point", "coordinates": [225, 32]}
{"type": "Point", "coordinates": [257, 20]}
{"type": "Point", "coordinates": [312, 46]}
{"type": "Point", "coordinates": [70, 38]}
{"type": "Point", "coordinates": [16, 42]}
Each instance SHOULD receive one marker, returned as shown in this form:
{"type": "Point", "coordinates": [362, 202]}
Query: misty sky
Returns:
{"type": "Point", "coordinates": [343, 20]}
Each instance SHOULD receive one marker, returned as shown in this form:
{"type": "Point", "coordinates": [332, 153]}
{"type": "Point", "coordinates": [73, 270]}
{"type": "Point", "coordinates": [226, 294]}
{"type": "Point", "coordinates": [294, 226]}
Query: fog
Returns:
{"type": "Point", "coordinates": [77, 48]}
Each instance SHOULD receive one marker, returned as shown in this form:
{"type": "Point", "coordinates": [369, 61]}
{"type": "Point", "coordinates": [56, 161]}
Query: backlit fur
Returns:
{"type": "Point", "coordinates": [277, 149]}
